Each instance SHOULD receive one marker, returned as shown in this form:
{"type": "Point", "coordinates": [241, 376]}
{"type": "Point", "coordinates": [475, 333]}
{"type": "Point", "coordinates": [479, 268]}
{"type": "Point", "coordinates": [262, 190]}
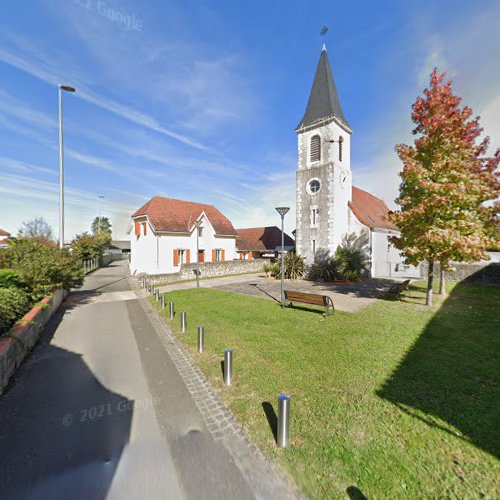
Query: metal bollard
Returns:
{"type": "Point", "coordinates": [157, 294]}
{"type": "Point", "coordinates": [163, 301]}
{"type": "Point", "coordinates": [201, 332]}
{"type": "Point", "coordinates": [183, 321]}
{"type": "Point", "coordinates": [283, 420]}
{"type": "Point", "coordinates": [228, 366]}
{"type": "Point", "coordinates": [171, 310]}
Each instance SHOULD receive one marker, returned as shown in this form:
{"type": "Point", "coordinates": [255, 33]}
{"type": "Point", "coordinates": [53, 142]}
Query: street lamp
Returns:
{"type": "Point", "coordinates": [282, 211]}
{"type": "Point", "coordinates": [66, 88]}
{"type": "Point", "coordinates": [197, 225]}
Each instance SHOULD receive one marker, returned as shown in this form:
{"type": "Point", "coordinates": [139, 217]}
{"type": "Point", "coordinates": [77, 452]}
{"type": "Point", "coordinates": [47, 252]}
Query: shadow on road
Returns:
{"type": "Point", "coordinates": [62, 432]}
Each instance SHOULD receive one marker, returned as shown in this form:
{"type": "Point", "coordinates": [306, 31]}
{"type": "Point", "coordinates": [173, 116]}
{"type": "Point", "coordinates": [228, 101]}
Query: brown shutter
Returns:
{"type": "Point", "coordinates": [176, 257]}
{"type": "Point", "coordinates": [213, 255]}
{"type": "Point", "coordinates": [223, 256]}
{"type": "Point", "coordinates": [137, 229]}
{"type": "Point", "coordinates": [250, 255]}
{"type": "Point", "coordinates": [188, 256]}
{"type": "Point", "coordinates": [241, 255]}
{"type": "Point", "coordinates": [145, 227]}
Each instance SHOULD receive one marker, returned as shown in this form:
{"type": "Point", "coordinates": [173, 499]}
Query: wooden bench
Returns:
{"type": "Point", "coordinates": [398, 288]}
{"type": "Point", "coordinates": [310, 298]}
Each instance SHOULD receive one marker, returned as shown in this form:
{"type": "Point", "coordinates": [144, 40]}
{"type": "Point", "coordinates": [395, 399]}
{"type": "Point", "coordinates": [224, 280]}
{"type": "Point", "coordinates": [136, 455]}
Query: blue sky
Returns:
{"type": "Point", "coordinates": [199, 100]}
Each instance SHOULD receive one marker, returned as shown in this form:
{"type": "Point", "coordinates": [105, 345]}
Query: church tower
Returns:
{"type": "Point", "coordinates": [324, 181]}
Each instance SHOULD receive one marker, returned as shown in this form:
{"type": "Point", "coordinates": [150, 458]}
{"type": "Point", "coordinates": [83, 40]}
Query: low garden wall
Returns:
{"type": "Point", "coordinates": [483, 272]}
{"type": "Point", "coordinates": [28, 331]}
{"type": "Point", "coordinates": [210, 269]}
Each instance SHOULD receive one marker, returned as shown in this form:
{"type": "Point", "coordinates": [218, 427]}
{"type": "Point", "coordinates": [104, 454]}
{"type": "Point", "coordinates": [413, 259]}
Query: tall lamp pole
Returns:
{"type": "Point", "coordinates": [282, 211]}
{"type": "Point", "coordinates": [66, 88]}
{"type": "Point", "coordinates": [197, 225]}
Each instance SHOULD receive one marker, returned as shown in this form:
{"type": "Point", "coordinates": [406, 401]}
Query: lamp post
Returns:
{"type": "Point", "coordinates": [282, 211]}
{"type": "Point", "coordinates": [197, 225]}
{"type": "Point", "coordinates": [66, 88]}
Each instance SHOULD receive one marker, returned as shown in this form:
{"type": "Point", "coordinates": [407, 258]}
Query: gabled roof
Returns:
{"type": "Point", "coordinates": [4, 233]}
{"type": "Point", "coordinates": [370, 210]}
{"type": "Point", "coordinates": [324, 100]}
{"type": "Point", "coordinates": [261, 239]}
{"type": "Point", "coordinates": [167, 214]}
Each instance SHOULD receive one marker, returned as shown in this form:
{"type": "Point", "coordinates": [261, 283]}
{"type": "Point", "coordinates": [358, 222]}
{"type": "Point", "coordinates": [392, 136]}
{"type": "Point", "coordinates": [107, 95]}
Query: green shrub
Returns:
{"type": "Point", "coordinates": [14, 303]}
{"type": "Point", "coordinates": [87, 246]}
{"type": "Point", "coordinates": [267, 268]}
{"type": "Point", "coordinates": [42, 268]}
{"type": "Point", "coordinates": [351, 263]}
{"type": "Point", "coordinates": [323, 270]}
{"type": "Point", "coordinates": [8, 278]}
{"type": "Point", "coordinates": [295, 267]}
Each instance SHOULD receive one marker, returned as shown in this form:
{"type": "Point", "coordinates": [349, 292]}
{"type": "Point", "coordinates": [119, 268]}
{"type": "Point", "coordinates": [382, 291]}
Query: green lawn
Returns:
{"type": "Point", "coordinates": [396, 400]}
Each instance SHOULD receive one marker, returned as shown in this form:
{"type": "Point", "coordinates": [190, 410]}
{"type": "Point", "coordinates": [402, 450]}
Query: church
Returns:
{"type": "Point", "coordinates": [328, 207]}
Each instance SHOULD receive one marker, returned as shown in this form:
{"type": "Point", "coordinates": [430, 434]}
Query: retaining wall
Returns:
{"type": "Point", "coordinates": [12, 351]}
{"type": "Point", "coordinates": [483, 272]}
{"type": "Point", "coordinates": [209, 269]}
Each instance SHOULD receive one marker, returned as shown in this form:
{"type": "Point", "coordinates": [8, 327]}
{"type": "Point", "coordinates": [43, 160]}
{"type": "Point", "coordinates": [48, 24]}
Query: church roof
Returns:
{"type": "Point", "coordinates": [262, 239]}
{"type": "Point", "coordinates": [168, 214]}
{"type": "Point", "coordinates": [324, 100]}
{"type": "Point", "coordinates": [370, 210]}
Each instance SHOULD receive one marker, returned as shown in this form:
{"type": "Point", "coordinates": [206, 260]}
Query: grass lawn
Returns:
{"type": "Point", "coordinates": [396, 400]}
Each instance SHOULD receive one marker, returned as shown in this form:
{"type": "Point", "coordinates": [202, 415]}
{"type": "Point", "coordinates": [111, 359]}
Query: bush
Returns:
{"type": "Point", "coordinates": [267, 268]}
{"type": "Point", "coordinates": [42, 268]}
{"type": "Point", "coordinates": [86, 246]}
{"type": "Point", "coordinates": [351, 263]}
{"type": "Point", "coordinates": [295, 267]}
{"type": "Point", "coordinates": [14, 303]}
{"type": "Point", "coordinates": [324, 269]}
{"type": "Point", "coordinates": [8, 278]}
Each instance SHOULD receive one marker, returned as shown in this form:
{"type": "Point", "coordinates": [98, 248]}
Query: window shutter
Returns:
{"type": "Point", "coordinates": [176, 257]}
{"type": "Point", "coordinates": [137, 229]}
{"type": "Point", "coordinates": [341, 140]}
{"type": "Point", "coordinates": [223, 255]}
{"type": "Point", "coordinates": [213, 255]}
{"type": "Point", "coordinates": [241, 255]}
{"type": "Point", "coordinates": [315, 148]}
{"type": "Point", "coordinates": [250, 255]}
{"type": "Point", "coordinates": [145, 227]}
{"type": "Point", "coordinates": [188, 256]}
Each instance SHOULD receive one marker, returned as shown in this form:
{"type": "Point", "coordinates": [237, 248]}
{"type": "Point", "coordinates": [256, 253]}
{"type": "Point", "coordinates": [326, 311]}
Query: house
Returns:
{"type": "Point", "coordinates": [4, 238]}
{"type": "Point", "coordinates": [261, 242]}
{"type": "Point", "coordinates": [164, 235]}
{"type": "Point", "coordinates": [329, 208]}
{"type": "Point", "coordinates": [119, 247]}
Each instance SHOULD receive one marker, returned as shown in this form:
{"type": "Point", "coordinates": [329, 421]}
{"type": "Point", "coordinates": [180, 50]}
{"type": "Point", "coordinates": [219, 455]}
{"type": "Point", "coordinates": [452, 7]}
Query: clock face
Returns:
{"type": "Point", "coordinates": [343, 179]}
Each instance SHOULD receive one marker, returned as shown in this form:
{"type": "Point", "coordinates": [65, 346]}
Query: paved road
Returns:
{"type": "Point", "coordinates": [99, 410]}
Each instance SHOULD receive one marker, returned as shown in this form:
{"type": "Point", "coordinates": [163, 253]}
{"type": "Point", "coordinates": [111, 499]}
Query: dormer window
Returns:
{"type": "Point", "coordinates": [315, 148]}
{"type": "Point", "coordinates": [341, 140]}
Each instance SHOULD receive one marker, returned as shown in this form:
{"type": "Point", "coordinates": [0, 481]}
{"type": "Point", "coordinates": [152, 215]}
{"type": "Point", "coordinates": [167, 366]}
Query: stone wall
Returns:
{"type": "Point", "coordinates": [28, 331]}
{"type": "Point", "coordinates": [209, 269]}
{"type": "Point", "coordinates": [482, 272]}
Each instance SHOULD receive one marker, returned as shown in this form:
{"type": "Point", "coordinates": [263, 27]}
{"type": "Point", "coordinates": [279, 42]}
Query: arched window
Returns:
{"type": "Point", "coordinates": [315, 148]}
{"type": "Point", "coordinates": [341, 140]}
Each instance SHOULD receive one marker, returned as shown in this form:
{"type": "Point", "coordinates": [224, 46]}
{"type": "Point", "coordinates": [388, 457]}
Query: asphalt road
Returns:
{"type": "Point", "coordinates": [98, 410]}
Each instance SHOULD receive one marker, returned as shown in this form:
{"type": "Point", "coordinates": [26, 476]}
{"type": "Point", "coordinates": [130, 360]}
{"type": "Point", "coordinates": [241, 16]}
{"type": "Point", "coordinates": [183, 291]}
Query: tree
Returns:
{"type": "Point", "coordinates": [87, 246]}
{"type": "Point", "coordinates": [101, 225]}
{"type": "Point", "coordinates": [36, 228]}
{"type": "Point", "coordinates": [448, 190]}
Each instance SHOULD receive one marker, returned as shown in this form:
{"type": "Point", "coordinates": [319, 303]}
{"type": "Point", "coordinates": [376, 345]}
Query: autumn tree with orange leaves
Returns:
{"type": "Point", "coordinates": [449, 189]}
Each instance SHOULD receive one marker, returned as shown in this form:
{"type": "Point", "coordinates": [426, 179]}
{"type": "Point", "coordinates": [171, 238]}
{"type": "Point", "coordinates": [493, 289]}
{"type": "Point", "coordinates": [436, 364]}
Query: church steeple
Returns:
{"type": "Point", "coordinates": [324, 100]}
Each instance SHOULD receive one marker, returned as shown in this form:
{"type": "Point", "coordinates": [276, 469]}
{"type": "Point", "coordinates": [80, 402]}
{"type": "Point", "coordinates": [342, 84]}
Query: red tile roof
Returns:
{"type": "Point", "coordinates": [262, 239]}
{"type": "Point", "coordinates": [167, 214]}
{"type": "Point", "coordinates": [4, 233]}
{"type": "Point", "coordinates": [370, 210]}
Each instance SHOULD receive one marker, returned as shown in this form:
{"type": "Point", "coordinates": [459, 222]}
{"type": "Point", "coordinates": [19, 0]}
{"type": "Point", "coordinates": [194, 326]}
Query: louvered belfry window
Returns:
{"type": "Point", "coordinates": [315, 148]}
{"type": "Point", "coordinates": [341, 140]}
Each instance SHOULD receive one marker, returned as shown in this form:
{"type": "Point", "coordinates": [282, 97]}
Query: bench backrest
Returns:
{"type": "Point", "coordinates": [306, 298]}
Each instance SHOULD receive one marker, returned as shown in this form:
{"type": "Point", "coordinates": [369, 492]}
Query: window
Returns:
{"type": "Point", "coordinates": [200, 232]}
{"type": "Point", "coordinates": [313, 186]}
{"type": "Point", "coordinates": [313, 246]}
{"type": "Point", "coordinates": [182, 256]}
{"type": "Point", "coordinates": [218, 255]}
{"type": "Point", "coordinates": [315, 148]}
{"type": "Point", "coordinates": [314, 216]}
{"type": "Point", "coordinates": [341, 140]}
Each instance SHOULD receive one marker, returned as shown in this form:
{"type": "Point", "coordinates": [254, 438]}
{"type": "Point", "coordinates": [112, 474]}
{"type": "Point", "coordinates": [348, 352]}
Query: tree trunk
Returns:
{"type": "Point", "coordinates": [430, 281]}
{"type": "Point", "coordinates": [442, 284]}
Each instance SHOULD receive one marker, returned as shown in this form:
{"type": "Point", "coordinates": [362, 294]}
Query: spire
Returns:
{"type": "Point", "coordinates": [324, 100]}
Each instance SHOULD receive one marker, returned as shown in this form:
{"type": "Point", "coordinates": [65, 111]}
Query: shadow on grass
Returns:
{"type": "Point", "coordinates": [271, 418]}
{"type": "Point", "coordinates": [449, 377]}
{"type": "Point", "coordinates": [355, 493]}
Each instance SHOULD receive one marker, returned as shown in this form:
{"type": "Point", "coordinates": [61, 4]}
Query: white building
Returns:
{"type": "Point", "coordinates": [329, 207]}
{"type": "Point", "coordinates": [163, 236]}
